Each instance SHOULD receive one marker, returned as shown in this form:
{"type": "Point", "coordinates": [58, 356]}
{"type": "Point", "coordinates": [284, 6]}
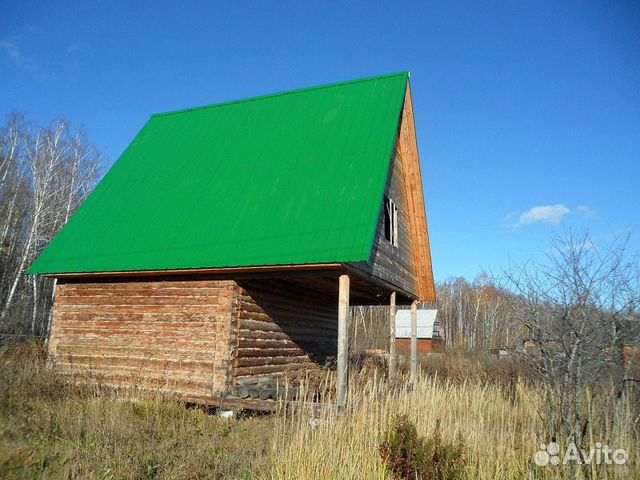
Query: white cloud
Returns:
{"type": "Point", "coordinates": [13, 53]}
{"type": "Point", "coordinates": [549, 214]}
{"type": "Point", "coordinates": [586, 211]}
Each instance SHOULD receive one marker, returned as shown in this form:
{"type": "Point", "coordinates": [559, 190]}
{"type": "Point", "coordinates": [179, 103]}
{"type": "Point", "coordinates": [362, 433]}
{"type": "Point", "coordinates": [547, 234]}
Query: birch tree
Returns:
{"type": "Point", "coordinates": [46, 173]}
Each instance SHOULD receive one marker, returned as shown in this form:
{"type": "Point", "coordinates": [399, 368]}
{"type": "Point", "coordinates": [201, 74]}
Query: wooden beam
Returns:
{"type": "Point", "coordinates": [392, 338]}
{"type": "Point", "coordinates": [358, 271]}
{"type": "Point", "coordinates": [343, 340]}
{"type": "Point", "coordinates": [414, 341]}
{"type": "Point", "coordinates": [408, 150]}
{"type": "Point", "coordinates": [195, 271]}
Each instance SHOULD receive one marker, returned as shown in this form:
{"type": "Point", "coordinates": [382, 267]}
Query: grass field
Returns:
{"type": "Point", "coordinates": [50, 428]}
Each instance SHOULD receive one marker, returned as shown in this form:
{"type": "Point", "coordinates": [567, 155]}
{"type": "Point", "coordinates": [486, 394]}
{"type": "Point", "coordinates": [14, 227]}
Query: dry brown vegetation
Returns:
{"type": "Point", "coordinates": [53, 428]}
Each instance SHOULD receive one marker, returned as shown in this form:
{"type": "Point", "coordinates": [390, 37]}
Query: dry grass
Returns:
{"type": "Point", "coordinates": [51, 429]}
{"type": "Point", "coordinates": [488, 402]}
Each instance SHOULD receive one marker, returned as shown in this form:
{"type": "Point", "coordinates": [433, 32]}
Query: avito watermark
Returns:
{"type": "Point", "coordinates": [549, 454]}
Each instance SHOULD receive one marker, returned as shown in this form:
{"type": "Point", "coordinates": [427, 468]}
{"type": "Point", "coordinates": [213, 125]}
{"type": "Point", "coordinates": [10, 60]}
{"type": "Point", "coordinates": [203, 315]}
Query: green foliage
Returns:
{"type": "Point", "coordinates": [410, 456]}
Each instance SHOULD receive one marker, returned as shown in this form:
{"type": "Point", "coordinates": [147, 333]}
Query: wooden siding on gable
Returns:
{"type": "Point", "coordinates": [395, 265]}
{"type": "Point", "coordinates": [407, 266]}
{"type": "Point", "coordinates": [171, 336]}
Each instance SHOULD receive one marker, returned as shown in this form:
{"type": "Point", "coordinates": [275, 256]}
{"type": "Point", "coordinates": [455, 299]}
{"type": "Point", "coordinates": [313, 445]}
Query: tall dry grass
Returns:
{"type": "Point", "coordinates": [53, 428]}
{"type": "Point", "coordinates": [501, 426]}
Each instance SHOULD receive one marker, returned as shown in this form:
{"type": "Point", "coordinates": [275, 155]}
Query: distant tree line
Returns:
{"type": "Point", "coordinates": [476, 315]}
{"type": "Point", "coordinates": [45, 173]}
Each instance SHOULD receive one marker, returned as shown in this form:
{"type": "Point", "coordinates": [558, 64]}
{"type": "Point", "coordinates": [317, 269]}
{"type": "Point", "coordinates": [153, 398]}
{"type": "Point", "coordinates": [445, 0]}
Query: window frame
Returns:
{"type": "Point", "coordinates": [391, 221]}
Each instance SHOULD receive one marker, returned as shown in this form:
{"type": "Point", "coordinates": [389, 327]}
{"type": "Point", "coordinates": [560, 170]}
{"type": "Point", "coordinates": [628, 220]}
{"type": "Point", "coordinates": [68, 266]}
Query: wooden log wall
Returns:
{"type": "Point", "coordinates": [172, 336]}
{"type": "Point", "coordinates": [281, 328]}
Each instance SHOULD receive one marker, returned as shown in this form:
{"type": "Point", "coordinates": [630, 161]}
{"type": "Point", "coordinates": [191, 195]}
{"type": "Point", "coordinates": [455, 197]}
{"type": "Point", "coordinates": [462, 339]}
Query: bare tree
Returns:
{"type": "Point", "coordinates": [45, 173]}
{"type": "Point", "coordinates": [574, 307]}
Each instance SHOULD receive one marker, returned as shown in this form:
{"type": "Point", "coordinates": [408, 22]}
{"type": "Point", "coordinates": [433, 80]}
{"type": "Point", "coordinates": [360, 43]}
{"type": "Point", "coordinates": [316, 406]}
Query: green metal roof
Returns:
{"type": "Point", "coordinates": [285, 179]}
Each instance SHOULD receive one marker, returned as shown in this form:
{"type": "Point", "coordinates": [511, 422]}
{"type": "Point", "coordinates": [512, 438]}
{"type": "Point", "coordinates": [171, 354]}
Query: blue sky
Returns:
{"type": "Point", "coordinates": [528, 113]}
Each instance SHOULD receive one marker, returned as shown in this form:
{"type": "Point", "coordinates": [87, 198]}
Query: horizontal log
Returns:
{"type": "Point", "coordinates": [186, 351]}
{"type": "Point", "coordinates": [177, 343]}
{"type": "Point", "coordinates": [100, 309]}
{"type": "Point", "coordinates": [131, 377]}
{"type": "Point", "coordinates": [271, 352]}
{"type": "Point", "coordinates": [299, 314]}
{"type": "Point", "coordinates": [265, 343]}
{"type": "Point", "coordinates": [145, 284]}
{"type": "Point", "coordinates": [182, 291]}
{"type": "Point", "coordinates": [273, 288]}
{"type": "Point", "coordinates": [315, 330]}
{"type": "Point", "coordinates": [171, 367]}
{"type": "Point", "coordinates": [273, 369]}
{"type": "Point", "coordinates": [247, 334]}
{"type": "Point", "coordinates": [248, 324]}
{"type": "Point", "coordinates": [148, 336]}
{"type": "Point", "coordinates": [312, 343]}
{"type": "Point", "coordinates": [159, 300]}
{"type": "Point", "coordinates": [88, 316]}
{"type": "Point", "coordinates": [259, 361]}
{"type": "Point", "coordinates": [180, 329]}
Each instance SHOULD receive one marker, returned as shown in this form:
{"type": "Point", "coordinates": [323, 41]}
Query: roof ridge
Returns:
{"type": "Point", "coordinates": [287, 92]}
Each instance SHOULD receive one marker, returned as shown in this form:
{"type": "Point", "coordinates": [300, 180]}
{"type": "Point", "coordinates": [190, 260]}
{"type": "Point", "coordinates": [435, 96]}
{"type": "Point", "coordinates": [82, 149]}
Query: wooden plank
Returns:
{"type": "Point", "coordinates": [414, 341]}
{"type": "Point", "coordinates": [392, 337]}
{"type": "Point", "coordinates": [408, 148]}
{"type": "Point", "coordinates": [343, 340]}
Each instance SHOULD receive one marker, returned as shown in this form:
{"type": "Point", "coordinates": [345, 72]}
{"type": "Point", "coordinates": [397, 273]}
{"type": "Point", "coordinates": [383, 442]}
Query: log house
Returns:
{"type": "Point", "coordinates": [224, 247]}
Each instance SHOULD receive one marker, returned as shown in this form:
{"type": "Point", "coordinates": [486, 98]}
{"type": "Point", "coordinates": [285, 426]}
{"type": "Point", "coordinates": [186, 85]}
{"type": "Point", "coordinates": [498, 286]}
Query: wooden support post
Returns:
{"type": "Point", "coordinates": [414, 341]}
{"type": "Point", "coordinates": [343, 340]}
{"type": "Point", "coordinates": [392, 338]}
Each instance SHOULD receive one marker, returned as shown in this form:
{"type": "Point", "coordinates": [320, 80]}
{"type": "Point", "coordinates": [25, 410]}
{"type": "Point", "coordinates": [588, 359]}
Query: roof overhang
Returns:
{"type": "Point", "coordinates": [316, 267]}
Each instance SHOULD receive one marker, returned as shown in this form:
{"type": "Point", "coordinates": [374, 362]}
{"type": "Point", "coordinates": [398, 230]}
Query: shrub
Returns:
{"type": "Point", "coordinates": [410, 456]}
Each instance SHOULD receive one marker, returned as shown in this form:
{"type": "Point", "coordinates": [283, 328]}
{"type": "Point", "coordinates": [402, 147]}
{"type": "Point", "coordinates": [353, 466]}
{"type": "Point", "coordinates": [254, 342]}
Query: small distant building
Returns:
{"type": "Point", "coordinates": [428, 331]}
{"type": "Point", "coordinates": [631, 340]}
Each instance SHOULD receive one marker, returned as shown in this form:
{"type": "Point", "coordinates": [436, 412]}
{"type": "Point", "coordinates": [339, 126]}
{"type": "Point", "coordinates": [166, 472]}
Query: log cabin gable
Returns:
{"type": "Point", "coordinates": [392, 256]}
{"type": "Point", "coordinates": [401, 254]}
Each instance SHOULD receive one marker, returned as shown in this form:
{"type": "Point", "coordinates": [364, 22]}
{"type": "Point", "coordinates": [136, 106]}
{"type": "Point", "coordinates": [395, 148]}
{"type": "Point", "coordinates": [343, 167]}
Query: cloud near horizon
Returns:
{"type": "Point", "coordinates": [547, 214]}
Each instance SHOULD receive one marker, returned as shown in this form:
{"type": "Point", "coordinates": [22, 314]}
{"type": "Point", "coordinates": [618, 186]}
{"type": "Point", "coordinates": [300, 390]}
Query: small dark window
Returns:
{"type": "Point", "coordinates": [436, 329]}
{"type": "Point", "coordinates": [390, 221]}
